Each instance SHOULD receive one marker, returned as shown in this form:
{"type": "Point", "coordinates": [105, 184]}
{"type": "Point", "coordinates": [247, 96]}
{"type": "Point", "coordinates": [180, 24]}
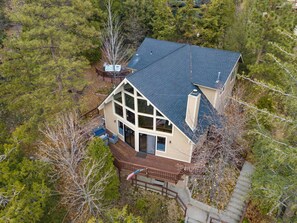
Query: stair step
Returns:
{"type": "Point", "coordinates": [234, 210]}
{"type": "Point", "coordinates": [242, 192]}
{"type": "Point", "coordinates": [243, 184]}
{"type": "Point", "coordinates": [244, 178]}
{"type": "Point", "coordinates": [239, 197]}
{"type": "Point", "coordinates": [236, 205]}
{"type": "Point", "coordinates": [232, 215]}
{"type": "Point", "coordinates": [236, 201]}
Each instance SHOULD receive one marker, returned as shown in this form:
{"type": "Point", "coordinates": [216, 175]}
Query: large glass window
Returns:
{"type": "Point", "coordinates": [159, 114]}
{"type": "Point", "coordinates": [161, 143]}
{"type": "Point", "coordinates": [130, 116]}
{"type": "Point", "coordinates": [145, 122]}
{"type": "Point", "coordinates": [163, 125]}
{"type": "Point", "coordinates": [129, 101]}
{"type": "Point", "coordinates": [129, 88]}
{"type": "Point", "coordinates": [121, 128]}
{"type": "Point", "coordinates": [143, 107]}
{"type": "Point", "coordinates": [118, 97]}
{"type": "Point", "coordinates": [118, 109]}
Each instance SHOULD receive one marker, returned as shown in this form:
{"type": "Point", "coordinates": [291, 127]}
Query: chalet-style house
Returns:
{"type": "Point", "coordinates": [175, 92]}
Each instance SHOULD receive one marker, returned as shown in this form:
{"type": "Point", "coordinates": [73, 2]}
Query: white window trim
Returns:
{"type": "Point", "coordinates": [123, 135]}
{"type": "Point", "coordinates": [155, 135]}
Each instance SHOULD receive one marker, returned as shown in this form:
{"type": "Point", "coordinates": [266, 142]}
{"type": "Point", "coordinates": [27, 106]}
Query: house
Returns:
{"type": "Point", "coordinates": [174, 93]}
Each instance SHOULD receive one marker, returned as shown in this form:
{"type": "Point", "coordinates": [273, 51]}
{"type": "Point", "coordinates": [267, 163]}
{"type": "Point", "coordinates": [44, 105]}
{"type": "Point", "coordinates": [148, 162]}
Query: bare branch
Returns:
{"type": "Point", "coordinates": [65, 147]}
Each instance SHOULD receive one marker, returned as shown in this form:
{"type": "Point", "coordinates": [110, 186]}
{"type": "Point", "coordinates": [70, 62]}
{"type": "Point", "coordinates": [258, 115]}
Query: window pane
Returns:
{"type": "Point", "coordinates": [129, 88]}
{"type": "Point", "coordinates": [161, 143]}
{"type": "Point", "coordinates": [121, 128]}
{"type": "Point", "coordinates": [144, 108]}
{"type": "Point", "coordinates": [163, 125]}
{"type": "Point", "coordinates": [159, 114]}
{"type": "Point", "coordinates": [145, 122]}
{"type": "Point", "coordinates": [118, 97]}
{"type": "Point", "coordinates": [129, 101]}
{"type": "Point", "coordinates": [130, 116]}
{"type": "Point", "coordinates": [118, 109]}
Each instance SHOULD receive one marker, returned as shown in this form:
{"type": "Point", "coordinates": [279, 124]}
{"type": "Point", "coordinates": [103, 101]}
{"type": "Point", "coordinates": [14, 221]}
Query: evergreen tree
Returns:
{"type": "Point", "coordinates": [136, 16]}
{"type": "Point", "coordinates": [163, 22]}
{"type": "Point", "coordinates": [216, 17]}
{"type": "Point", "coordinates": [272, 89]}
{"type": "Point", "coordinates": [24, 190]}
{"type": "Point", "coordinates": [187, 18]}
{"type": "Point", "coordinates": [42, 67]}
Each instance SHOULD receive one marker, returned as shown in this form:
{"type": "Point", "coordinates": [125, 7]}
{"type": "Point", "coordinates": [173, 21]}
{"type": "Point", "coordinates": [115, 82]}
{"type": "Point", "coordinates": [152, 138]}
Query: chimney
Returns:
{"type": "Point", "coordinates": [193, 109]}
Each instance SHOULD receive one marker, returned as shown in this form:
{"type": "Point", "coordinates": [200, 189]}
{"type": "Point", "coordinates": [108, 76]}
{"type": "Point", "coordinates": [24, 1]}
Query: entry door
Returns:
{"type": "Point", "coordinates": [129, 136]}
{"type": "Point", "coordinates": [147, 143]}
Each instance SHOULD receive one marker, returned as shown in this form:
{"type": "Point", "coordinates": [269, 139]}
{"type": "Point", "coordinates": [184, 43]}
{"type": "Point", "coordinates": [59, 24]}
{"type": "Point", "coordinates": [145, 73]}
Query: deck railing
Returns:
{"type": "Point", "coordinates": [163, 190]}
{"type": "Point", "coordinates": [149, 172]}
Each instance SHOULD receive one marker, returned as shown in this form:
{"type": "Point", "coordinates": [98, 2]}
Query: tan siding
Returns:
{"type": "Point", "coordinates": [110, 118]}
{"type": "Point", "coordinates": [179, 148]}
{"type": "Point", "coordinates": [209, 93]}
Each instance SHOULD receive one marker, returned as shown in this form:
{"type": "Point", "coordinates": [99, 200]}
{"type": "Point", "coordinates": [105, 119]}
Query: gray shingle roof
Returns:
{"type": "Point", "coordinates": [164, 77]}
{"type": "Point", "coordinates": [206, 62]}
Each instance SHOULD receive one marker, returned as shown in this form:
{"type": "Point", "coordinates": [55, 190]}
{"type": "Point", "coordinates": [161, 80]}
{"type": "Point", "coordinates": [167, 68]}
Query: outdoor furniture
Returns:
{"type": "Point", "coordinates": [104, 138]}
{"type": "Point", "coordinates": [99, 131]}
{"type": "Point", "coordinates": [113, 139]}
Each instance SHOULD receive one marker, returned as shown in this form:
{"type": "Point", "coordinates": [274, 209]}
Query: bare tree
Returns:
{"type": "Point", "coordinates": [217, 156]}
{"type": "Point", "coordinates": [65, 147]}
{"type": "Point", "coordinates": [114, 51]}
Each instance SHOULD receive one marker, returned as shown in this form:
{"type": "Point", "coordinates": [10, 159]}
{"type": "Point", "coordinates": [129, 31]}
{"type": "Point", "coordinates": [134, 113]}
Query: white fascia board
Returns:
{"type": "Point", "coordinates": [159, 111]}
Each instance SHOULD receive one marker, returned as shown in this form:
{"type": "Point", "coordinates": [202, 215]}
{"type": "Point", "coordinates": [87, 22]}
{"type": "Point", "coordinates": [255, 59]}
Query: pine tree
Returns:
{"type": "Point", "coordinates": [272, 80]}
{"type": "Point", "coordinates": [136, 16]}
{"type": "Point", "coordinates": [24, 191]}
{"type": "Point", "coordinates": [43, 66]}
{"type": "Point", "coordinates": [216, 17]}
{"type": "Point", "coordinates": [163, 22]}
{"type": "Point", "coordinates": [187, 18]}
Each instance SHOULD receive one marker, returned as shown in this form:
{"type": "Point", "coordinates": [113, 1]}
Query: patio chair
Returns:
{"type": "Point", "coordinates": [113, 139]}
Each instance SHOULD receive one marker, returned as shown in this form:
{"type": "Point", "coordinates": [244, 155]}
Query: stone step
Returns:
{"type": "Point", "coordinates": [238, 206]}
{"type": "Point", "coordinates": [232, 215]}
{"type": "Point", "coordinates": [190, 220]}
{"type": "Point", "coordinates": [243, 184]}
{"type": "Point", "coordinates": [235, 201]}
{"type": "Point", "coordinates": [241, 191]}
{"type": "Point", "coordinates": [234, 210]}
{"type": "Point", "coordinates": [239, 197]}
{"type": "Point", "coordinates": [244, 178]}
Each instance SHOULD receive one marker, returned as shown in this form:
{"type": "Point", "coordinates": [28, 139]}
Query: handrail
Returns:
{"type": "Point", "coordinates": [175, 196]}
{"type": "Point", "coordinates": [170, 176]}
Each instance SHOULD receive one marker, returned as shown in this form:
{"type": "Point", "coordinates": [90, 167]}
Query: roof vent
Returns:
{"type": "Point", "coordinates": [151, 53]}
{"type": "Point", "coordinates": [218, 79]}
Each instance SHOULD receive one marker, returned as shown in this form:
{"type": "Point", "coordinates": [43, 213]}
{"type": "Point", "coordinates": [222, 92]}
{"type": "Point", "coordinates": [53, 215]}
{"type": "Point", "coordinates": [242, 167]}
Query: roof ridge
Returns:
{"type": "Point", "coordinates": [161, 58]}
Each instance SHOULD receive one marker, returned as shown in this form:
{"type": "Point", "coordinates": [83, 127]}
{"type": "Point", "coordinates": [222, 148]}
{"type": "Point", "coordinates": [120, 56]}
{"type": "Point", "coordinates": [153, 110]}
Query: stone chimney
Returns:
{"type": "Point", "coordinates": [193, 109]}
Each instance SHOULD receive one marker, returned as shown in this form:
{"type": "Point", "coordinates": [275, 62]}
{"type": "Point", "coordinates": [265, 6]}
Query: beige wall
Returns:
{"type": "Point", "coordinates": [223, 95]}
{"type": "Point", "coordinates": [178, 146]}
{"type": "Point", "coordinates": [209, 93]}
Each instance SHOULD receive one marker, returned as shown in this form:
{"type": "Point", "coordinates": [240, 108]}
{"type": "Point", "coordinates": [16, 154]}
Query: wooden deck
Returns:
{"type": "Point", "coordinates": [126, 158]}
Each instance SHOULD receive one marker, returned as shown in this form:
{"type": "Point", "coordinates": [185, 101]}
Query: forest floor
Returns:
{"type": "Point", "coordinates": [96, 91]}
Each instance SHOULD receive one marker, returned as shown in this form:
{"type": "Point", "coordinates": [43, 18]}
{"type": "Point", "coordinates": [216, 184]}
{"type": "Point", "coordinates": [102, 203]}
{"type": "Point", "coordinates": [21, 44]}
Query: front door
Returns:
{"type": "Point", "coordinates": [147, 143]}
{"type": "Point", "coordinates": [129, 136]}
